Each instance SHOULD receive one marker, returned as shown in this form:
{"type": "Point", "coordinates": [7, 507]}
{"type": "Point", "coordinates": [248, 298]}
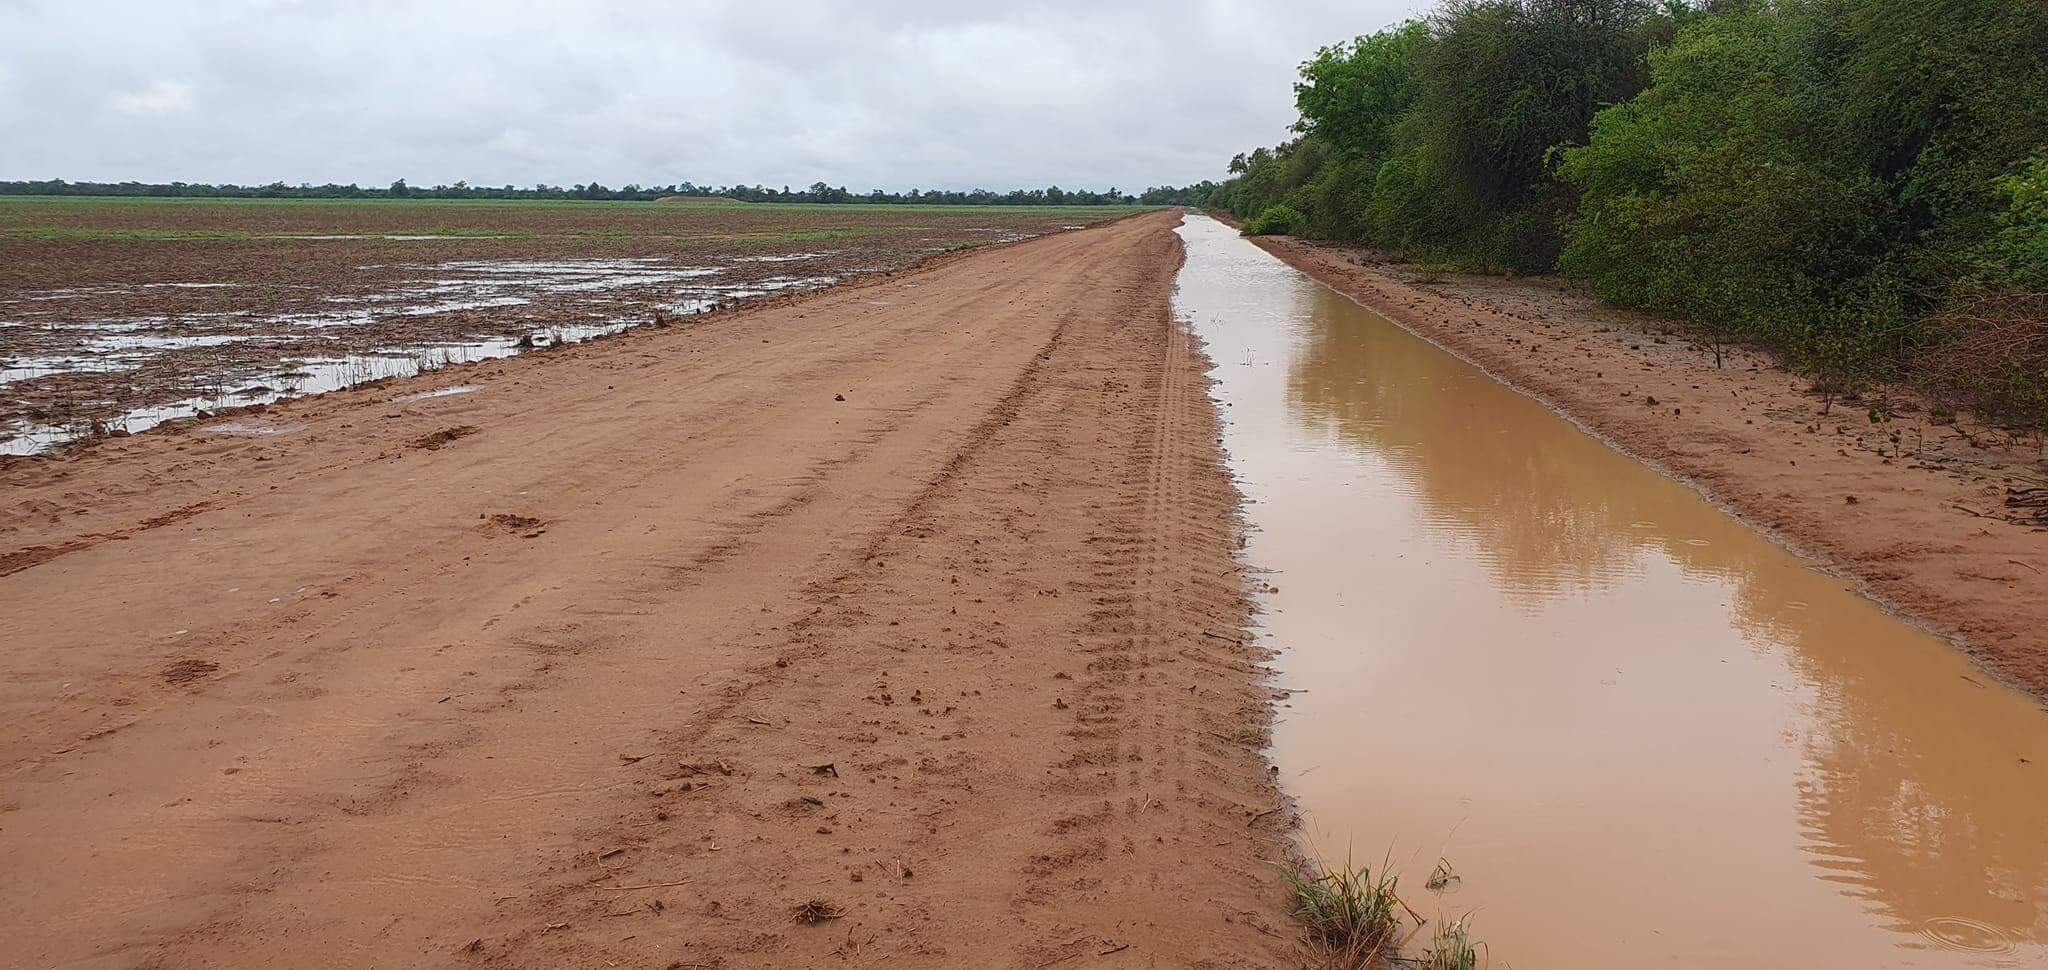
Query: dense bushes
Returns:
{"type": "Point", "coordinates": [1276, 220]}
{"type": "Point", "coordinates": [2019, 248]}
{"type": "Point", "coordinates": [1432, 137]}
{"type": "Point", "coordinates": [1714, 196]}
{"type": "Point", "coordinates": [1861, 184]}
{"type": "Point", "coordinates": [1827, 177]}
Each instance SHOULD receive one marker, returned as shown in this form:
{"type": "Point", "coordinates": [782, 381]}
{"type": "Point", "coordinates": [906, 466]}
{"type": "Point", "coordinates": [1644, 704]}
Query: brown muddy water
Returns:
{"type": "Point", "coordinates": [1636, 732]}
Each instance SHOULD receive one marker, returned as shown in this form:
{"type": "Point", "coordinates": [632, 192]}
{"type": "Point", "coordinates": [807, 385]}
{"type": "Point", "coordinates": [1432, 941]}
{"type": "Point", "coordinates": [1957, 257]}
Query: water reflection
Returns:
{"type": "Point", "coordinates": [1480, 468]}
{"type": "Point", "coordinates": [1644, 734]}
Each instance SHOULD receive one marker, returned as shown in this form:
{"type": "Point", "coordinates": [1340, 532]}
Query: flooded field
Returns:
{"type": "Point", "coordinates": [119, 314]}
{"type": "Point", "coordinates": [1569, 697]}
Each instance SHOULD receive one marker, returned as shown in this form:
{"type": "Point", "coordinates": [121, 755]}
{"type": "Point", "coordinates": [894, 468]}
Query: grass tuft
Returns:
{"type": "Point", "coordinates": [815, 912]}
{"type": "Point", "coordinates": [1450, 947]}
{"type": "Point", "coordinates": [1350, 911]}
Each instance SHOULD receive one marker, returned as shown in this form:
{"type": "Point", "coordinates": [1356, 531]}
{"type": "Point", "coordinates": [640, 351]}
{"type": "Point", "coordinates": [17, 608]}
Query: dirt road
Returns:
{"type": "Point", "coordinates": [1940, 520]}
{"type": "Point", "coordinates": [913, 600]}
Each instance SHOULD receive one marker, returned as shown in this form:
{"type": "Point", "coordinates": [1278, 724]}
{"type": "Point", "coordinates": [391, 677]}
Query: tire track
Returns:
{"type": "Point", "coordinates": [930, 657]}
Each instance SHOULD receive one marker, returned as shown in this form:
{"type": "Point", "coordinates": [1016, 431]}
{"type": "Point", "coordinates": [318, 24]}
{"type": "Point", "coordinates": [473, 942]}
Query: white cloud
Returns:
{"type": "Point", "coordinates": [159, 97]}
{"type": "Point", "coordinates": [885, 93]}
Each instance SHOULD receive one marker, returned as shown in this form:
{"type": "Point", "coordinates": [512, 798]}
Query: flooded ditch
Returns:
{"type": "Point", "coordinates": [1620, 727]}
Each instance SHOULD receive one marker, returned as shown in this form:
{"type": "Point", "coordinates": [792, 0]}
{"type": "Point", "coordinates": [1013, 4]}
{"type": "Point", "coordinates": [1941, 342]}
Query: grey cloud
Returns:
{"type": "Point", "coordinates": [891, 93]}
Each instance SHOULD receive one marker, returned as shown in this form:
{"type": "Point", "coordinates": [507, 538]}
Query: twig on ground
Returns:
{"type": "Point", "coordinates": [651, 885]}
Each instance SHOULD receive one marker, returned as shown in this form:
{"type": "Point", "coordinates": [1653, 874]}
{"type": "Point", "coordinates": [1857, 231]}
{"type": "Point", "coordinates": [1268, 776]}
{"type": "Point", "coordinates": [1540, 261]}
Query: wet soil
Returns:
{"type": "Point", "coordinates": [678, 660]}
{"type": "Point", "coordinates": [1929, 517]}
{"type": "Point", "coordinates": [118, 314]}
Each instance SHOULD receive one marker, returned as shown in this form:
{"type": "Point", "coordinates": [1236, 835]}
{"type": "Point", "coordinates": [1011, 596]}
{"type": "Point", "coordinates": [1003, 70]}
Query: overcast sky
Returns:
{"type": "Point", "coordinates": [865, 93]}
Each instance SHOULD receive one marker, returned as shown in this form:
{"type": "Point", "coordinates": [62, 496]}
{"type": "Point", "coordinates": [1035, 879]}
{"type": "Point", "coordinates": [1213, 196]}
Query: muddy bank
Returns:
{"type": "Point", "coordinates": [893, 624]}
{"type": "Point", "coordinates": [1933, 519]}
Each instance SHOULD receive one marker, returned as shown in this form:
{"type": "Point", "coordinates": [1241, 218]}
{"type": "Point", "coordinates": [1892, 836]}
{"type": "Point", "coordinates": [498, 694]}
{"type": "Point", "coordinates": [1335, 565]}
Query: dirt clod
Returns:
{"type": "Point", "coordinates": [515, 523]}
{"type": "Point", "coordinates": [441, 438]}
{"type": "Point", "coordinates": [186, 671]}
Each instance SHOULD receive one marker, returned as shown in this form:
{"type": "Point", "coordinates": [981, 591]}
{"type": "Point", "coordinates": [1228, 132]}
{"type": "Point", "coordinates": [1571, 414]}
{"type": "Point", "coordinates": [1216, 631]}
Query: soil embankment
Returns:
{"type": "Point", "coordinates": [1934, 519]}
{"type": "Point", "coordinates": [893, 625]}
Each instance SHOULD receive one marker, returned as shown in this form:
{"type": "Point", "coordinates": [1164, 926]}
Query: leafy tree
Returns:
{"type": "Point", "coordinates": [1351, 95]}
{"type": "Point", "coordinates": [1501, 84]}
{"type": "Point", "coordinates": [1862, 184]}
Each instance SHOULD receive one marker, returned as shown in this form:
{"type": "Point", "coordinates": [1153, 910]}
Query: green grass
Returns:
{"type": "Point", "coordinates": [1352, 913]}
{"type": "Point", "coordinates": [1451, 948]}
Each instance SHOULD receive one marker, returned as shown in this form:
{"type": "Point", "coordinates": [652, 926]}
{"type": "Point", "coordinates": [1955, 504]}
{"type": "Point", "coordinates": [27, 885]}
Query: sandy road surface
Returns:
{"type": "Point", "coordinates": [657, 643]}
{"type": "Point", "coordinates": [1924, 515]}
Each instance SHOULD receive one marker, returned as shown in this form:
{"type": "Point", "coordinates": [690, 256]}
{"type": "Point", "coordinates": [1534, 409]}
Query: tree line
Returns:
{"type": "Point", "coordinates": [1861, 185]}
{"type": "Point", "coordinates": [818, 192]}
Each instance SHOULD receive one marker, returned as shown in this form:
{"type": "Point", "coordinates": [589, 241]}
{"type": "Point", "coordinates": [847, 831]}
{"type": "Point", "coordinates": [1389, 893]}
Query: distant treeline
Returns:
{"type": "Point", "coordinates": [817, 192]}
{"type": "Point", "coordinates": [1860, 184]}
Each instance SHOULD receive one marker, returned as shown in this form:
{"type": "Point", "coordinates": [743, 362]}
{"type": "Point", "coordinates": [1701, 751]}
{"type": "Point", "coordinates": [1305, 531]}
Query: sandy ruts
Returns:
{"type": "Point", "coordinates": [658, 642]}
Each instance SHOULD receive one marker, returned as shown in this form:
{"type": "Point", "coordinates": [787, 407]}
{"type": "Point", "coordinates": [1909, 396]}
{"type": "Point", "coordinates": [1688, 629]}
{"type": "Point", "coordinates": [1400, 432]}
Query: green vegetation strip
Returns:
{"type": "Point", "coordinates": [1861, 185]}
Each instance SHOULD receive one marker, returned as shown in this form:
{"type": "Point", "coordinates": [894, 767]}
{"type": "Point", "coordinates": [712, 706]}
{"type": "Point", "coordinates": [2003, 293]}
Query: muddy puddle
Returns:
{"type": "Point", "coordinates": [1623, 729]}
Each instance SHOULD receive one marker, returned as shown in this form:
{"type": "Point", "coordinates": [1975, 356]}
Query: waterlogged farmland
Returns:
{"type": "Point", "coordinates": [120, 314]}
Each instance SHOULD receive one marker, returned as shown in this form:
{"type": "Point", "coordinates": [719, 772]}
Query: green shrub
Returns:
{"type": "Point", "coordinates": [1276, 220]}
{"type": "Point", "coordinates": [2018, 254]}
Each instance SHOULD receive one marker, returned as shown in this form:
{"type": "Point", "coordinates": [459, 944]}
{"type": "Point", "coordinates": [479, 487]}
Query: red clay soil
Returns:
{"type": "Point", "coordinates": [894, 625]}
{"type": "Point", "coordinates": [1946, 523]}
